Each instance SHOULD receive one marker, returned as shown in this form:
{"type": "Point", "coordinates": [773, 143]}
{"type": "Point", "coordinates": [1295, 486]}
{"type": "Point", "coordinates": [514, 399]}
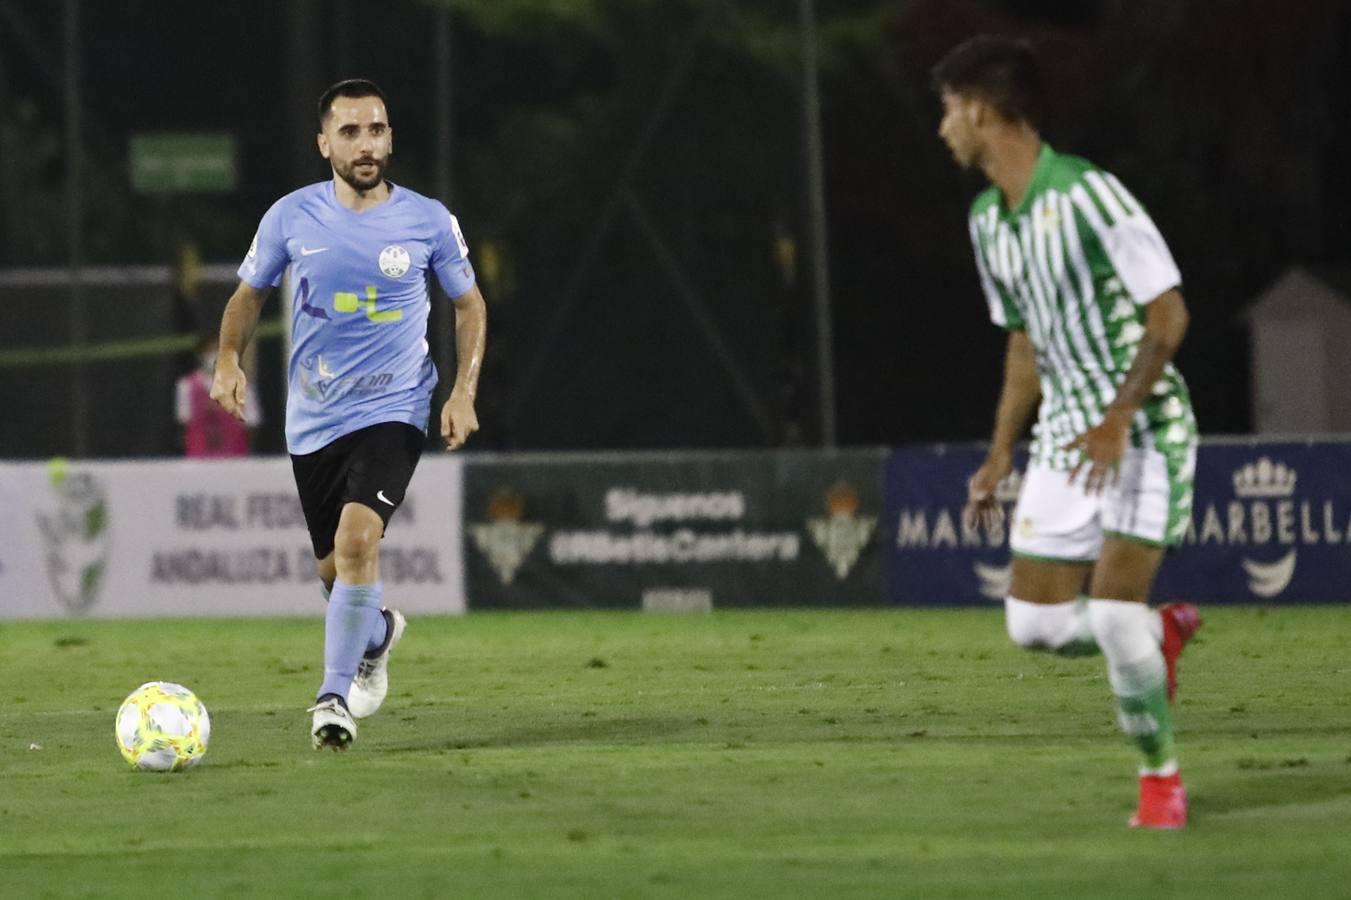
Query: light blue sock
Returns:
{"type": "Point", "coordinates": [381, 633]}
{"type": "Point", "coordinates": [353, 625]}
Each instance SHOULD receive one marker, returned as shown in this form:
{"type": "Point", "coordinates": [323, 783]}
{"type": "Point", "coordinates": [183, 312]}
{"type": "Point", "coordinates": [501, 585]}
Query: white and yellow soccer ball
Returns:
{"type": "Point", "coordinates": [162, 727]}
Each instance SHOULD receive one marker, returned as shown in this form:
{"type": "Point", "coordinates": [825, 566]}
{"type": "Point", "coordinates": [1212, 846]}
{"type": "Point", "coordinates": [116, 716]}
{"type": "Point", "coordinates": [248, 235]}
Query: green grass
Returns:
{"type": "Point", "coordinates": [743, 754]}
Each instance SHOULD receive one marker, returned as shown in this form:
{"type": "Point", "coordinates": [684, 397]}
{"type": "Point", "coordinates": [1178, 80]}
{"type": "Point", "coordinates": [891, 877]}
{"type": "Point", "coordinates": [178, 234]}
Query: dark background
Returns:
{"type": "Point", "coordinates": [630, 177]}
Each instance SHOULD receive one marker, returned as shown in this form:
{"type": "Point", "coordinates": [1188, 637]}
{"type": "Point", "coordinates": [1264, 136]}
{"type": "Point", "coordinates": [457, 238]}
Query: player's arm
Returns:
{"type": "Point", "coordinates": [458, 419]}
{"type": "Point", "coordinates": [1018, 401]}
{"type": "Point", "coordinates": [1166, 321]}
{"type": "Point", "coordinates": [237, 324]}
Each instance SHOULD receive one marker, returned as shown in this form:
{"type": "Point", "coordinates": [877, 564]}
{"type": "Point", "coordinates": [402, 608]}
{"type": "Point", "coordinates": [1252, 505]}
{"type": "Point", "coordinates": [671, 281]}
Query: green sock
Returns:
{"type": "Point", "coordinates": [1146, 719]}
{"type": "Point", "coordinates": [1139, 678]}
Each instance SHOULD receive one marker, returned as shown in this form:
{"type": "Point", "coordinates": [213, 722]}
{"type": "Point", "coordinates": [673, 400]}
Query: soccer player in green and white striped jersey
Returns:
{"type": "Point", "coordinates": [1075, 271]}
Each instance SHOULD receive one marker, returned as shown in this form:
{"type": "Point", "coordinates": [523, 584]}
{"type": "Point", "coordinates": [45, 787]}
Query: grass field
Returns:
{"type": "Point", "coordinates": [751, 754]}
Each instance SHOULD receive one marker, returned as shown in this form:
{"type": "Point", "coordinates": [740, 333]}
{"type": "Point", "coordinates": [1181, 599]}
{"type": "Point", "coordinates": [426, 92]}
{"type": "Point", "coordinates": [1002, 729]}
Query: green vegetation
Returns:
{"type": "Point", "coordinates": [751, 754]}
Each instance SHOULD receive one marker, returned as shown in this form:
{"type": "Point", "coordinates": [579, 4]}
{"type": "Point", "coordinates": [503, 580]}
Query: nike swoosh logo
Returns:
{"type": "Point", "coordinates": [380, 495]}
{"type": "Point", "coordinates": [306, 251]}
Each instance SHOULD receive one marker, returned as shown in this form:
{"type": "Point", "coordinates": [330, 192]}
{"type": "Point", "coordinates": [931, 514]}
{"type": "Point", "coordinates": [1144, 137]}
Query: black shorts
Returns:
{"type": "Point", "coordinates": [371, 466]}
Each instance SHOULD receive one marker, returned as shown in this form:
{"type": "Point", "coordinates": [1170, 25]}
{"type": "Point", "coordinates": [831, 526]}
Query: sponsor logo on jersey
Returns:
{"type": "Point", "coordinates": [303, 295]}
{"type": "Point", "coordinates": [318, 381]}
{"type": "Point", "coordinates": [394, 261]}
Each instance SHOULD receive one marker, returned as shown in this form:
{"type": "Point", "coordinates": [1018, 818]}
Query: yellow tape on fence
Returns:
{"type": "Point", "coordinates": [109, 351]}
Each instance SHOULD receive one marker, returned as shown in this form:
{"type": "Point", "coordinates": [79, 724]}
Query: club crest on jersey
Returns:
{"type": "Point", "coordinates": [394, 261]}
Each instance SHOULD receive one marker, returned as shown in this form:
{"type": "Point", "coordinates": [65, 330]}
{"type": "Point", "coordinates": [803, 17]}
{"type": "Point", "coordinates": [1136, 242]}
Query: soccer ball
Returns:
{"type": "Point", "coordinates": [162, 727]}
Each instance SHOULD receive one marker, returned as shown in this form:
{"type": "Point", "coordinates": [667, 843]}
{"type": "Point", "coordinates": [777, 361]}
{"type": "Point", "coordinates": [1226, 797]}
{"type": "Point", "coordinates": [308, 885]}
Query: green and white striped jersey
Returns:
{"type": "Point", "coordinates": [1074, 265]}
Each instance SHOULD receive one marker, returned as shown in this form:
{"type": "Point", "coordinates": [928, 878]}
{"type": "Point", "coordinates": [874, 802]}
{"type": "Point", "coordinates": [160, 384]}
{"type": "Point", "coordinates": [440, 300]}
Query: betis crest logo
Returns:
{"type": "Point", "coordinates": [843, 534]}
{"type": "Point", "coordinates": [75, 531]}
{"type": "Point", "coordinates": [506, 540]}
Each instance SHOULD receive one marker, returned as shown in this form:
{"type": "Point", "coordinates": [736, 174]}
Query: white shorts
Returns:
{"type": "Point", "coordinates": [1058, 522]}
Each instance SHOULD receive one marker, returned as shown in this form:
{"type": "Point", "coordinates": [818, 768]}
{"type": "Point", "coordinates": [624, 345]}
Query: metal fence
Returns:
{"type": "Point", "coordinates": [90, 369]}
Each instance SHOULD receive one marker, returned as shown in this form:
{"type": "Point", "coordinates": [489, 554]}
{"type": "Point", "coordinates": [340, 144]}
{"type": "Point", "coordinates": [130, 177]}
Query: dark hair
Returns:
{"type": "Point", "coordinates": [348, 87]}
{"type": "Point", "coordinates": [999, 70]}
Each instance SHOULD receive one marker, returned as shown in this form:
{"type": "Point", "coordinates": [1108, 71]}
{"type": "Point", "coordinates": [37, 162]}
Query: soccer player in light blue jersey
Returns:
{"type": "Point", "coordinates": [359, 250]}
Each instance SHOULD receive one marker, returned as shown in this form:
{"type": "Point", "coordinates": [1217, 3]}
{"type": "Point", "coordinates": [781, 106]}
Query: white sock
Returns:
{"type": "Point", "coordinates": [1058, 627]}
{"type": "Point", "coordinates": [1139, 678]}
{"type": "Point", "coordinates": [1125, 632]}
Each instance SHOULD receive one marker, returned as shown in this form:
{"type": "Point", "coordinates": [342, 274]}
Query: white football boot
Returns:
{"type": "Point", "coordinates": [372, 680]}
{"type": "Point", "coordinates": [333, 726]}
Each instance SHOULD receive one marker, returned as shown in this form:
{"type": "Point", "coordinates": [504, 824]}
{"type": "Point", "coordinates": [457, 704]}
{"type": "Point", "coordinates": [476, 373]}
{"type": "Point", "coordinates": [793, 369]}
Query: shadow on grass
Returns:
{"type": "Point", "coordinates": [1261, 788]}
{"type": "Point", "coordinates": [620, 730]}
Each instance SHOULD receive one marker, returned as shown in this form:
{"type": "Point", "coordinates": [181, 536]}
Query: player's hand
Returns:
{"type": "Point", "coordinates": [982, 505]}
{"type": "Point", "coordinates": [458, 420]}
{"type": "Point", "coordinates": [1102, 447]}
{"type": "Point", "coordinates": [228, 387]}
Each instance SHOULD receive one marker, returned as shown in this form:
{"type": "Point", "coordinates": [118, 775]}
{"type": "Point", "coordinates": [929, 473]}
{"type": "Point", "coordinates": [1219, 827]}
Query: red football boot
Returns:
{"type": "Point", "coordinates": [1180, 622]}
{"type": "Point", "coordinates": [1163, 802]}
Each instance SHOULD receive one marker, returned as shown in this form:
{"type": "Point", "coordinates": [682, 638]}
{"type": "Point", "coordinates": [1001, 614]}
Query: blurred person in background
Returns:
{"type": "Point", "coordinates": [209, 432]}
{"type": "Point", "coordinates": [359, 250]}
{"type": "Point", "coordinates": [1073, 268]}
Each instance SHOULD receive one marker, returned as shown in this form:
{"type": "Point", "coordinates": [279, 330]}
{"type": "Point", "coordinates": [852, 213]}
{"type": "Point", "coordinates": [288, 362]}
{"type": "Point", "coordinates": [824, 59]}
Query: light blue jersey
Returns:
{"type": "Point", "coordinates": [359, 305]}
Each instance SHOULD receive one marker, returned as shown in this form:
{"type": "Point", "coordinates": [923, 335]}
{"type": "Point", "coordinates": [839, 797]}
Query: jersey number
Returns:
{"type": "Point", "coordinates": [350, 303]}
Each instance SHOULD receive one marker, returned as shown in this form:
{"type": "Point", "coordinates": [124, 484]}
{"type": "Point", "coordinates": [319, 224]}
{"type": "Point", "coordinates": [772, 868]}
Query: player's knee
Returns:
{"type": "Point", "coordinates": [1121, 628]}
{"type": "Point", "coordinates": [355, 543]}
{"type": "Point", "coordinates": [1025, 624]}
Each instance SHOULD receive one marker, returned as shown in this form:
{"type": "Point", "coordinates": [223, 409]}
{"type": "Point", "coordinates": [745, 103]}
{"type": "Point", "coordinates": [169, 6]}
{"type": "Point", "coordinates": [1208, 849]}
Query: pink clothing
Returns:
{"type": "Point", "coordinates": [208, 430]}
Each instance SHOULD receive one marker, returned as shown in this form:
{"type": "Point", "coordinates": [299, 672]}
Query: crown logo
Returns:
{"type": "Point", "coordinates": [1265, 478]}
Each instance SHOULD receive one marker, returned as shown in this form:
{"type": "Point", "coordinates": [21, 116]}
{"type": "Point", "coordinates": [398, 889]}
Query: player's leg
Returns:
{"type": "Point", "coordinates": [354, 623]}
{"type": "Point", "coordinates": [327, 570]}
{"type": "Point", "coordinates": [389, 456]}
{"type": "Point", "coordinates": [1045, 609]}
{"type": "Point", "coordinates": [1151, 504]}
{"type": "Point", "coordinates": [320, 480]}
{"type": "Point", "coordinates": [1130, 633]}
{"type": "Point", "coordinates": [1141, 514]}
{"type": "Point", "coordinates": [1054, 543]}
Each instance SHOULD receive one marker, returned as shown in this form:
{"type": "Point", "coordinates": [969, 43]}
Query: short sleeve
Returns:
{"type": "Point", "coordinates": [1002, 312]}
{"type": "Point", "coordinates": [1127, 235]}
{"type": "Point", "coordinates": [268, 257]}
{"type": "Point", "coordinates": [450, 254]}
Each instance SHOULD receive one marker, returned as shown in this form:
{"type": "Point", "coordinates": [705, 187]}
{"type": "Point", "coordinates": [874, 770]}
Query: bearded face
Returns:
{"type": "Point", "coordinates": [357, 141]}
